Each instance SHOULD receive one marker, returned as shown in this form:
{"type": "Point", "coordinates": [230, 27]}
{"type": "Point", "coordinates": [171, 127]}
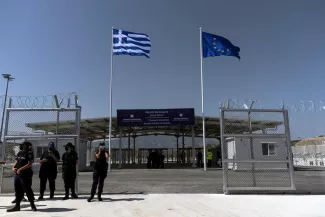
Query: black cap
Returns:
{"type": "Point", "coordinates": [69, 144]}
{"type": "Point", "coordinates": [102, 144]}
{"type": "Point", "coordinates": [51, 145]}
{"type": "Point", "coordinates": [26, 143]}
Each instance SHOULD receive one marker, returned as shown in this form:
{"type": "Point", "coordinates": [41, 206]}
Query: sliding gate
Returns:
{"type": "Point", "coordinates": [256, 150]}
{"type": "Point", "coordinates": [39, 126]}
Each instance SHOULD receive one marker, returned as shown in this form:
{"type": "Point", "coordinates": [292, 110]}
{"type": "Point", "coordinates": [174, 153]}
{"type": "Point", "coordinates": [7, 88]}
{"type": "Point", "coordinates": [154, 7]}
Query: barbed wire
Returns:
{"type": "Point", "coordinates": [302, 106]}
{"type": "Point", "coordinates": [47, 101]}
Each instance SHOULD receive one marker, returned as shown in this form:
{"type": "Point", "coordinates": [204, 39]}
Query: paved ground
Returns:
{"type": "Point", "coordinates": [184, 181]}
{"type": "Point", "coordinates": [172, 205]}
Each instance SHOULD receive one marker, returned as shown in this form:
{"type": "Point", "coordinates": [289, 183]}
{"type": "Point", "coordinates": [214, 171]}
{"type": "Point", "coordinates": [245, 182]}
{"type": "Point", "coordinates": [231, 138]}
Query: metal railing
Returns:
{"type": "Point", "coordinates": [257, 154]}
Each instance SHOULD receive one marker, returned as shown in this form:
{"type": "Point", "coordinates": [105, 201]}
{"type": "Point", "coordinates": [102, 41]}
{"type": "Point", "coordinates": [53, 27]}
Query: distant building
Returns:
{"type": "Point", "coordinates": [309, 152]}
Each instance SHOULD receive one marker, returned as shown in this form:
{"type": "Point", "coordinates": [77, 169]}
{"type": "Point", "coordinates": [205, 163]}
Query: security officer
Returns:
{"type": "Point", "coordinates": [149, 159]}
{"type": "Point", "coordinates": [69, 172]}
{"type": "Point", "coordinates": [199, 159]}
{"type": "Point", "coordinates": [209, 158]}
{"type": "Point", "coordinates": [30, 150]}
{"type": "Point", "coordinates": [48, 170]}
{"type": "Point", "coordinates": [100, 172]}
{"type": "Point", "coordinates": [23, 177]}
{"type": "Point", "coordinates": [20, 149]}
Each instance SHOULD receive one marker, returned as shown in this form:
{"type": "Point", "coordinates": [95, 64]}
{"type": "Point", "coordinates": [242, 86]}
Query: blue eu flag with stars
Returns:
{"type": "Point", "coordinates": [214, 45]}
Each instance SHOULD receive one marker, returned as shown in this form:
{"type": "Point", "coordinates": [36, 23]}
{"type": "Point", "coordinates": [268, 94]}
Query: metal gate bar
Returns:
{"type": "Point", "coordinates": [256, 165]}
{"type": "Point", "coordinates": [70, 133]}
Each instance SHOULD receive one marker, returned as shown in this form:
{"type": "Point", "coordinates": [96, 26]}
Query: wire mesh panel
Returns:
{"type": "Point", "coordinates": [256, 150]}
{"type": "Point", "coordinates": [38, 126]}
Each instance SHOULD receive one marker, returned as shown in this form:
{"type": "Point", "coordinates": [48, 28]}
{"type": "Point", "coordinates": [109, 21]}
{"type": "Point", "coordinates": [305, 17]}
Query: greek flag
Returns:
{"type": "Point", "coordinates": [130, 43]}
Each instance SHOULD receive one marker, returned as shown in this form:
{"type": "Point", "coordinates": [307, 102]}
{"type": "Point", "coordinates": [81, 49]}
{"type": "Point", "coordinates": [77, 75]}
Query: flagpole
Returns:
{"type": "Point", "coordinates": [110, 104]}
{"type": "Point", "coordinates": [202, 96]}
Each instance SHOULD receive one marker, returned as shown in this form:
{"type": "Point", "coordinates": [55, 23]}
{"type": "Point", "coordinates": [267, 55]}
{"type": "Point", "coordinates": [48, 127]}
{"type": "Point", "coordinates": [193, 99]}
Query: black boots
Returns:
{"type": "Point", "coordinates": [16, 208]}
{"type": "Point", "coordinates": [66, 194]}
{"type": "Point", "coordinates": [41, 197]}
{"type": "Point", "coordinates": [90, 198]}
{"type": "Point", "coordinates": [99, 196]}
{"type": "Point", "coordinates": [73, 194]}
{"type": "Point", "coordinates": [32, 205]}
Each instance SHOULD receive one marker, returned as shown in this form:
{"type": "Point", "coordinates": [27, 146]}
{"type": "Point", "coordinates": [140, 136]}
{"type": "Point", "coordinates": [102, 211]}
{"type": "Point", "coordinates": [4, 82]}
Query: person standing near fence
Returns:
{"type": "Point", "coordinates": [100, 172]}
{"type": "Point", "coordinates": [48, 170]}
{"type": "Point", "coordinates": [199, 159]}
{"type": "Point", "coordinates": [69, 171]}
{"type": "Point", "coordinates": [21, 147]}
{"type": "Point", "coordinates": [149, 159]}
{"type": "Point", "coordinates": [23, 177]}
{"type": "Point", "coordinates": [209, 158]}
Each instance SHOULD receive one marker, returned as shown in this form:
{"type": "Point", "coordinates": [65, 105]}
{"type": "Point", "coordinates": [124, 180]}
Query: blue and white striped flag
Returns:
{"type": "Point", "coordinates": [130, 43]}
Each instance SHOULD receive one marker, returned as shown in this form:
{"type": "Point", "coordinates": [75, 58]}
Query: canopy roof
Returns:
{"type": "Point", "coordinates": [97, 128]}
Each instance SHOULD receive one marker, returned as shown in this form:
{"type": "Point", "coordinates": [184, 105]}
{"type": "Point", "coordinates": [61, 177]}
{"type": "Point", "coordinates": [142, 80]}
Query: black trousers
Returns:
{"type": "Point", "coordinates": [43, 180]}
{"type": "Point", "coordinates": [98, 179]}
{"type": "Point", "coordinates": [149, 163]}
{"type": "Point", "coordinates": [209, 163]}
{"type": "Point", "coordinates": [23, 184]}
{"type": "Point", "coordinates": [200, 163]}
{"type": "Point", "coordinates": [69, 178]}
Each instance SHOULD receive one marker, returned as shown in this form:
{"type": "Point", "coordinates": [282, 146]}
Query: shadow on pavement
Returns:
{"type": "Point", "coordinates": [121, 199]}
{"type": "Point", "coordinates": [55, 210]}
{"type": "Point", "coordinates": [22, 206]}
{"type": "Point", "coordinates": [124, 193]}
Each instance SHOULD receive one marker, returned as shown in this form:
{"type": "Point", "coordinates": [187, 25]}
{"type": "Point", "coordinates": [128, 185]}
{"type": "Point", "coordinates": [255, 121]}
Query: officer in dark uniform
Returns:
{"type": "Point", "coordinates": [20, 149]}
{"type": "Point", "coordinates": [100, 172]}
{"type": "Point", "coordinates": [162, 159]}
{"type": "Point", "coordinates": [69, 170]}
{"type": "Point", "coordinates": [149, 159]}
{"type": "Point", "coordinates": [48, 170]}
{"type": "Point", "coordinates": [23, 177]}
{"type": "Point", "coordinates": [30, 150]}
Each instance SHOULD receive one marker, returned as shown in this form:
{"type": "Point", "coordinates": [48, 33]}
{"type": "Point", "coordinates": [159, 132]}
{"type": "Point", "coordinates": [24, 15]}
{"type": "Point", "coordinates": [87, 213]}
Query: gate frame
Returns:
{"type": "Point", "coordinates": [76, 136]}
{"type": "Point", "coordinates": [225, 162]}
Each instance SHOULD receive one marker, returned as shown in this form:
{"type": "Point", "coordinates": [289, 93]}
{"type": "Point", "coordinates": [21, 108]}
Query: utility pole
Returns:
{"type": "Point", "coordinates": [9, 78]}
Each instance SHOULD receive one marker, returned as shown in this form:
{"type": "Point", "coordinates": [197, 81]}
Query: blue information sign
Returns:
{"type": "Point", "coordinates": [155, 117]}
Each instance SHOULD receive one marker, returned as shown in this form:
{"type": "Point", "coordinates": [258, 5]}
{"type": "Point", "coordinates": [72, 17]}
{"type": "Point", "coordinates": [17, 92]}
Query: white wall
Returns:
{"type": "Point", "coordinates": [303, 155]}
{"type": "Point", "coordinates": [240, 149]}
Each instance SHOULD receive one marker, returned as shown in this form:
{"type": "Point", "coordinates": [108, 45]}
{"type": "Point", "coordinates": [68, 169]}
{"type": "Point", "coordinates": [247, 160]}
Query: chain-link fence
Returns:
{"type": "Point", "coordinates": [39, 126]}
{"type": "Point", "coordinates": [256, 150]}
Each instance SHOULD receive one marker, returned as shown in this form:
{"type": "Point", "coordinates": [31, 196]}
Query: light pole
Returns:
{"type": "Point", "coordinates": [315, 155]}
{"type": "Point", "coordinates": [9, 78]}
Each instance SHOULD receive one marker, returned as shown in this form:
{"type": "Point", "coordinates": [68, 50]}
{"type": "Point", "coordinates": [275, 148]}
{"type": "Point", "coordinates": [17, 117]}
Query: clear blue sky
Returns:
{"type": "Point", "coordinates": [64, 46]}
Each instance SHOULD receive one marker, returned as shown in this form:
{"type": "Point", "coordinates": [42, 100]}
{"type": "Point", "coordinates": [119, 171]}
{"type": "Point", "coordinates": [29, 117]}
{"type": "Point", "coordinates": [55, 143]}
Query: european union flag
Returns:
{"type": "Point", "coordinates": [214, 45]}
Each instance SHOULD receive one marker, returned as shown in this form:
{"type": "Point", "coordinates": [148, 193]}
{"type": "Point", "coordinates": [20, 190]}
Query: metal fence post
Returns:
{"type": "Point", "coordinates": [193, 149]}
{"type": "Point", "coordinates": [57, 128]}
{"type": "Point", "coordinates": [223, 151]}
{"type": "Point", "coordinates": [120, 150]}
{"type": "Point", "coordinates": [288, 141]}
{"type": "Point", "coordinates": [78, 117]}
{"type": "Point", "coordinates": [4, 141]}
{"type": "Point", "coordinates": [231, 182]}
{"type": "Point", "coordinates": [251, 148]}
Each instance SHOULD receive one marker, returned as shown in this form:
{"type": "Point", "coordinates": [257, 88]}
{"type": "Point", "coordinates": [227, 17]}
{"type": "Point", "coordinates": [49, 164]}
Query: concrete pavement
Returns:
{"type": "Point", "coordinates": [172, 205]}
